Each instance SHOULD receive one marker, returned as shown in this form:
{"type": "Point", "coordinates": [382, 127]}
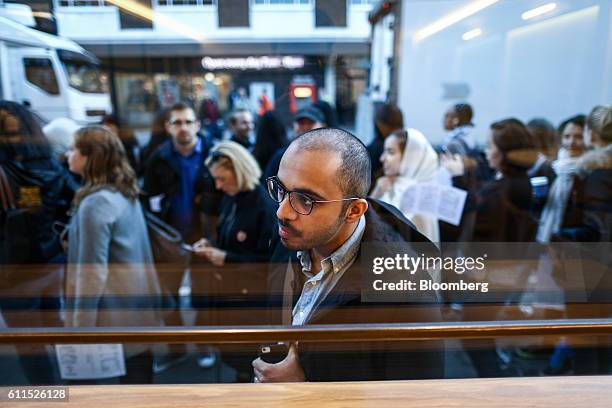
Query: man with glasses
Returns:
{"type": "Point", "coordinates": [177, 183]}
{"type": "Point", "coordinates": [323, 214]}
{"type": "Point", "coordinates": [181, 191]}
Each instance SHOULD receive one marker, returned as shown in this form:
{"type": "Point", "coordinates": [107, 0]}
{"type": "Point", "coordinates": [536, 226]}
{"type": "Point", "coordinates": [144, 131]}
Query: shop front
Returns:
{"type": "Point", "coordinates": [143, 86]}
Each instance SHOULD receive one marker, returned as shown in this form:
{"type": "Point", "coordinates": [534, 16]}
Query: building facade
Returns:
{"type": "Point", "coordinates": [160, 51]}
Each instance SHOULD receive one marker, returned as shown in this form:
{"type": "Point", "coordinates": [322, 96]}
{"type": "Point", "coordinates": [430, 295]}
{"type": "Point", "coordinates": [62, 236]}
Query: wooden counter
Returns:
{"type": "Point", "coordinates": [549, 392]}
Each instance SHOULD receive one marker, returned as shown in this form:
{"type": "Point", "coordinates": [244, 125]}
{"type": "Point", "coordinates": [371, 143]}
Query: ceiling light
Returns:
{"type": "Point", "coordinates": [452, 18]}
{"type": "Point", "coordinates": [538, 11]}
{"type": "Point", "coordinates": [467, 36]}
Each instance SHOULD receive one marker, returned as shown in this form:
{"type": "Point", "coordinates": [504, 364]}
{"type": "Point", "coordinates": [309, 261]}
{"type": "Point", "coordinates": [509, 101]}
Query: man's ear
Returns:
{"type": "Point", "coordinates": [356, 209]}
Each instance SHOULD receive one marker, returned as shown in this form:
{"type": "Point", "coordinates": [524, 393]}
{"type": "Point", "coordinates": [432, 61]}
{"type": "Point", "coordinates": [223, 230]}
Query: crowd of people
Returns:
{"type": "Point", "coordinates": [275, 226]}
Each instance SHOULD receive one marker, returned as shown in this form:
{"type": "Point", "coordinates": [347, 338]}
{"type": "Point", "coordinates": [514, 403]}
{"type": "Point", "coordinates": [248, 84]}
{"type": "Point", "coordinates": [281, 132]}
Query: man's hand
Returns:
{"type": "Point", "coordinates": [288, 370]}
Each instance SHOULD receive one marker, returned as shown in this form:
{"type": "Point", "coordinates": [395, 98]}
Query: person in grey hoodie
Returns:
{"type": "Point", "coordinates": [111, 279]}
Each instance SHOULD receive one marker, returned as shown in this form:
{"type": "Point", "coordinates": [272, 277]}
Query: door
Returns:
{"type": "Point", "coordinates": [36, 81]}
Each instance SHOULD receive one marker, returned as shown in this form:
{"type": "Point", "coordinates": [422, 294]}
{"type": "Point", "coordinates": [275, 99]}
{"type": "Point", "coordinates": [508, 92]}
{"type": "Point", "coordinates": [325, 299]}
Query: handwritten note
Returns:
{"type": "Point", "coordinates": [90, 361]}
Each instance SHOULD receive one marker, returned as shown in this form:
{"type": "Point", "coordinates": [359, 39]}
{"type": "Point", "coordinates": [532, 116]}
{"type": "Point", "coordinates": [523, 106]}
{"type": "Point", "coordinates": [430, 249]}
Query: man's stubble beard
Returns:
{"type": "Point", "coordinates": [315, 241]}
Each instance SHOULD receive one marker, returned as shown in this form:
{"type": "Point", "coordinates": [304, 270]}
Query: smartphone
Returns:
{"type": "Point", "coordinates": [273, 353]}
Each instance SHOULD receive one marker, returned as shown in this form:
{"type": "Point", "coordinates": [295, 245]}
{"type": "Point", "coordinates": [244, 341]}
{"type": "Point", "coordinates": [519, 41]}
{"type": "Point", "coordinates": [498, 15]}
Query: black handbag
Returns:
{"type": "Point", "coordinates": [166, 242]}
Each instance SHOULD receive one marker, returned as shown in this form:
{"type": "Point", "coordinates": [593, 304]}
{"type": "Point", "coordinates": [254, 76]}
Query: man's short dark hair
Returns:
{"type": "Point", "coordinates": [464, 113]}
{"type": "Point", "coordinates": [235, 113]}
{"type": "Point", "coordinates": [180, 106]}
{"type": "Point", "coordinates": [390, 115]}
{"type": "Point", "coordinates": [355, 171]}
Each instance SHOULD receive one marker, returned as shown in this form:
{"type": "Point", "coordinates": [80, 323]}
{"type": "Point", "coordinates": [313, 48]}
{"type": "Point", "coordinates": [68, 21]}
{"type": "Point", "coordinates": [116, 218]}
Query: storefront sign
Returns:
{"type": "Point", "coordinates": [258, 63]}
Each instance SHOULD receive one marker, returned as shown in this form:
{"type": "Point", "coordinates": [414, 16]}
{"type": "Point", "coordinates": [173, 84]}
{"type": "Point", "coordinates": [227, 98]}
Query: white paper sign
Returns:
{"type": "Point", "coordinates": [90, 361]}
{"type": "Point", "coordinates": [440, 201]}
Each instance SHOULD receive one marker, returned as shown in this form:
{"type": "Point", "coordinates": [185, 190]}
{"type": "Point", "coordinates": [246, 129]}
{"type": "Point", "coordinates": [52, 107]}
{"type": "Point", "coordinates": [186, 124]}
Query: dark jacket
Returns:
{"type": "Point", "coordinates": [246, 224]}
{"type": "Point", "coordinates": [44, 189]}
{"type": "Point", "coordinates": [162, 176]}
{"type": "Point", "coordinates": [588, 221]}
{"type": "Point", "coordinates": [477, 172]}
{"type": "Point", "coordinates": [503, 211]}
{"type": "Point", "coordinates": [375, 149]}
{"type": "Point", "coordinates": [235, 294]}
{"type": "Point", "coordinates": [588, 216]}
{"type": "Point", "coordinates": [357, 361]}
{"type": "Point", "coordinates": [273, 165]}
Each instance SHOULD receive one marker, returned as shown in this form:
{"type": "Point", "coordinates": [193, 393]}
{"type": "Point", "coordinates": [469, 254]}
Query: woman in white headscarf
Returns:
{"type": "Point", "coordinates": [407, 159]}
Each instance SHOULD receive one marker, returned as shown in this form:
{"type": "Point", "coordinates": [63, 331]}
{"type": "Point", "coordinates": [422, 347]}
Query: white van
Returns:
{"type": "Point", "coordinates": [53, 75]}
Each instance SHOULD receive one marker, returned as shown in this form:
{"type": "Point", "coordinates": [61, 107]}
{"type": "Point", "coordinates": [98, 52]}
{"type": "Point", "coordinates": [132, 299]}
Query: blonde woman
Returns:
{"type": "Point", "coordinates": [237, 281]}
{"type": "Point", "coordinates": [247, 216]}
{"type": "Point", "coordinates": [111, 279]}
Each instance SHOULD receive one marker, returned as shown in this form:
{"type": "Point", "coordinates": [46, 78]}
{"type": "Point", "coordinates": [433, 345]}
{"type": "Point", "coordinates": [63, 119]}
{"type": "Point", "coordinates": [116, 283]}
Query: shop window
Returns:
{"type": "Point", "coordinates": [82, 3]}
{"type": "Point", "coordinates": [330, 13]}
{"type": "Point", "coordinates": [233, 13]}
{"type": "Point", "coordinates": [185, 2]}
{"type": "Point", "coordinates": [282, 1]}
{"type": "Point", "coordinates": [39, 72]}
{"type": "Point", "coordinates": [132, 21]}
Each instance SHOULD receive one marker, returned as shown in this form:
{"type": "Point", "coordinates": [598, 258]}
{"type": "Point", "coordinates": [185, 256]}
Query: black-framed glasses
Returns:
{"type": "Point", "coordinates": [300, 202]}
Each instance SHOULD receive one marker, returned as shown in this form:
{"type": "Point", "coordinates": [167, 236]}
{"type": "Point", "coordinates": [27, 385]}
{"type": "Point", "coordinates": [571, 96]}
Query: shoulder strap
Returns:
{"type": "Point", "coordinates": [6, 193]}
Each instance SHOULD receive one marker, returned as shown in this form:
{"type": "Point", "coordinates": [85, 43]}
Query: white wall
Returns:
{"type": "Point", "coordinates": [268, 23]}
{"type": "Point", "coordinates": [554, 66]}
{"type": "Point", "coordinates": [382, 51]}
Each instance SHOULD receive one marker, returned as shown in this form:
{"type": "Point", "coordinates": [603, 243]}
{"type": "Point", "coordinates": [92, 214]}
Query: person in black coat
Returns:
{"type": "Point", "coordinates": [35, 191]}
{"type": "Point", "coordinates": [324, 216]}
{"type": "Point", "coordinates": [588, 222]}
{"type": "Point", "coordinates": [502, 213]}
{"type": "Point", "coordinates": [246, 218]}
{"type": "Point", "coordinates": [388, 119]}
{"type": "Point", "coordinates": [236, 280]}
{"type": "Point", "coordinates": [271, 136]}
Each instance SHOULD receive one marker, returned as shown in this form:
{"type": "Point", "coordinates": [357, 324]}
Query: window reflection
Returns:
{"type": "Point", "coordinates": [135, 146]}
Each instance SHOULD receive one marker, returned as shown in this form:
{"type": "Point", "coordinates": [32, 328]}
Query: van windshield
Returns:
{"type": "Point", "coordinates": [83, 72]}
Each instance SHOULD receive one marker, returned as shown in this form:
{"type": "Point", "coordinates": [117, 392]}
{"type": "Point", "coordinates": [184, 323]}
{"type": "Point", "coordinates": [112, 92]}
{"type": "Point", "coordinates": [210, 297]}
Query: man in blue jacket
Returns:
{"type": "Point", "coordinates": [180, 190]}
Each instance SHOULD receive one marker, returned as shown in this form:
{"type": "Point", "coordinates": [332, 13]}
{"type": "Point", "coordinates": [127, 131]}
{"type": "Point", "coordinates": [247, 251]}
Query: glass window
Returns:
{"type": "Point", "coordinates": [282, 1]}
{"type": "Point", "coordinates": [39, 71]}
{"type": "Point", "coordinates": [487, 125]}
{"type": "Point", "coordinates": [83, 73]}
{"type": "Point", "coordinates": [83, 3]}
{"type": "Point", "coordinates": [185, 2]}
